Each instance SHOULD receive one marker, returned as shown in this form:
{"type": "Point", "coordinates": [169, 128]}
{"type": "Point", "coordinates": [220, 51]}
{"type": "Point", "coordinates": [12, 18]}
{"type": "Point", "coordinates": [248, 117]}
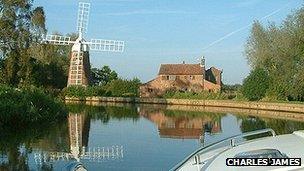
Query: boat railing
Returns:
{"type": "Point", "coordinates": [232, 141]}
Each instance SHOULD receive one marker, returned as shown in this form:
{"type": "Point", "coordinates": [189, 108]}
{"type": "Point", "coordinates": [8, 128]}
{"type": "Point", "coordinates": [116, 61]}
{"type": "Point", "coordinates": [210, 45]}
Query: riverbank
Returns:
{"type": "Point", "coordinates": [269, 106]}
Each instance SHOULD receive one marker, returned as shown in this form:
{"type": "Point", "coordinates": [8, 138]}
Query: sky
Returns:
{"type": "Point", "coordinates": [167, 31]}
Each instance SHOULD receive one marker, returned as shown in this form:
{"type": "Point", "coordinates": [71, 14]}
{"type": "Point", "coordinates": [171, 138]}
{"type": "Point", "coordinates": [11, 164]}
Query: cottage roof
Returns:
{"type": "Point", "coordinates": [181, 69]}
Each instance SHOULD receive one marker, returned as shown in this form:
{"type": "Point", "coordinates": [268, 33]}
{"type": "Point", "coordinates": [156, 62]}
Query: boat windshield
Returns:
{"type": "Point", "coordinates": [261, 153]}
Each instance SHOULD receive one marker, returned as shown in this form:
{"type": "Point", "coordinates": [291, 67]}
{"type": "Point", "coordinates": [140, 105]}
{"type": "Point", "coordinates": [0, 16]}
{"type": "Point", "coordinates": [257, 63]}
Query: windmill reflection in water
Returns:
{"type": "Point", "coordinates": [79, 126]}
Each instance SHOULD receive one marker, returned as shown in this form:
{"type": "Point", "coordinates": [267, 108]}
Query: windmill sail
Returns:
{"type": "Point", "coordinates": [83, 18]}
{"type": "Point", "coordinates": [106, 45]}
{"type": "Point", "coordinates": [58, 40]}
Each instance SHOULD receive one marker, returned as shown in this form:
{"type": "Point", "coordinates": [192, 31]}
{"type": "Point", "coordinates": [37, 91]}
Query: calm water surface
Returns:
{"type": "Point", "coordinates": [125, 137]}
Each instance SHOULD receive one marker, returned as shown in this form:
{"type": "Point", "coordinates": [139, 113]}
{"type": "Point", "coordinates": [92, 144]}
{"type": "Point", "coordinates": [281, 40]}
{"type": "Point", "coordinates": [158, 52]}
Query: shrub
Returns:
{"type": "Point", "coordinates": [29, 105]}
{"type": "Point", "coordinates": [75, 91]}
{"type": "Point", "coordinates": [256, 84]}
{"type": "Point", "coordinates": [116, 88]}
{"type": "Point", "coordinates": [95, 91]}
{"type": "Point", "coordinates": [123, 88]}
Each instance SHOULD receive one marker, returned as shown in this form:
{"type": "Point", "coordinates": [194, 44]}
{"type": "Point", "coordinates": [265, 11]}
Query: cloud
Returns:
{"type": "Point", "coordinates": [149, 12]}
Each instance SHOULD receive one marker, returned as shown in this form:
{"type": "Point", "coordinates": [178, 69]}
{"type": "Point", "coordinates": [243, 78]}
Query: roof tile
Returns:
{"type": "Point", "coordinates": [180, 69]}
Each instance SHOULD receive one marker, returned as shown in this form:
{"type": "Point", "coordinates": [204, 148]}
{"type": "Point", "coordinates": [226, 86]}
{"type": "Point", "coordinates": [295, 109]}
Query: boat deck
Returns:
{"type": "Point", "coordinates": [290, 144]}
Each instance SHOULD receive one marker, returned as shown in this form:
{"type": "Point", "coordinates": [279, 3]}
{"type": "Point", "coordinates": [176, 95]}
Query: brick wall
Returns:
{"type": "Point", "coordinates": [163, 83]}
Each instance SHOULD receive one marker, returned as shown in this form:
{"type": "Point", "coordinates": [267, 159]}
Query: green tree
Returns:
{"type": "Point", "coordinates": [25, 60]}
{"type": "Point", "coordinates": [279, 50]}
{"type": "Point", "coordinates": [256, 84]}
{"type": "Point", "coordinates": [20, 26]}
{"type": "Point", "coordinates": [51, 65]}
{"type": "Point", "coordinates": [103, 76]}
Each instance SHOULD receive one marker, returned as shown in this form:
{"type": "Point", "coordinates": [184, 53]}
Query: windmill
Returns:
{"type": "Point", "coordinates": [79, 69]}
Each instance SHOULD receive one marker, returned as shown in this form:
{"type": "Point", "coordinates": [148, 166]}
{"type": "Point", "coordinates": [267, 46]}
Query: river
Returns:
{"type": "Point", "coordinates": [127, 137]}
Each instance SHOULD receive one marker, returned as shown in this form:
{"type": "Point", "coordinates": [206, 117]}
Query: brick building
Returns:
{"type": "Point", "coordinates": [183, 77]}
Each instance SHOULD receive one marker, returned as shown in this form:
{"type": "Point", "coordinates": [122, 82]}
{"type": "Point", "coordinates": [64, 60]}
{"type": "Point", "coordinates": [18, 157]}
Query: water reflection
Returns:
{"type": "Point", "coordinates": [251, 123]}
{"type": "Point", "coordinates": [16, 146]}
{"type": "Point", "coordinates": [181, 125]}
{"type": "Point", "coordinates": [79, 127]}
{"type": "Point", "coordinates": [112, 137]}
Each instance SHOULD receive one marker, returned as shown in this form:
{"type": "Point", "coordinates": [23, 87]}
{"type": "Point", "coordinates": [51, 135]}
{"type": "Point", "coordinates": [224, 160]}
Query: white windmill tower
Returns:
{"type": "Point", "coordinates": [79, 70]}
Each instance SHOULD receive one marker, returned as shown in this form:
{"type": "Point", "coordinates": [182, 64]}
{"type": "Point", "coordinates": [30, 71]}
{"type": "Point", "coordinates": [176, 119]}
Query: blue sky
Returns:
{"type": "Point", "coordinates": [167, 31]}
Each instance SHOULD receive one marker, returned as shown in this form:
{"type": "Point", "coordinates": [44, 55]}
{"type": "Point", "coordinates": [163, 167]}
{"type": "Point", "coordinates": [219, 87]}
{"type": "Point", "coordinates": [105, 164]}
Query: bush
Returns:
{"type": "Point", "coordinates": [123, 88]}
{"type": "Point", "coordinates": [82, 92]}
{"type": "Point", "coordinates": [95, 91]}
{"type": "Point", "coordinates": [29, 105]}
{"type": "Point", "coordinates": [116, 88]}
{"type": "Point", "coordinates": [256, 84]}
{"type": "Point", "coordinates": [75, 91]}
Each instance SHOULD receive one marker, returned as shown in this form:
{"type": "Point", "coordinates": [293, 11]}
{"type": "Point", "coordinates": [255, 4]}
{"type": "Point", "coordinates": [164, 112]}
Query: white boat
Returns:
{"type": "Point", "coordinates": [213, 157]}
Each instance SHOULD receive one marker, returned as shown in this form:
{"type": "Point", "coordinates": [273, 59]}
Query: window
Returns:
{"type": "Point", "coordinates": [172, 77]}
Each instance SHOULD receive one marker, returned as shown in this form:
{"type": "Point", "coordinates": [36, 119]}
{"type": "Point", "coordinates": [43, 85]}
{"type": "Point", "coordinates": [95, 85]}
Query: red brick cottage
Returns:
{"type": "Point", "coordinates": [182, 77]}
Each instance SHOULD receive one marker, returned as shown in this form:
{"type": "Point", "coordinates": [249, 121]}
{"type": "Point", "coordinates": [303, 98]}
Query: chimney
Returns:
{"type": "Point", "coordinates": [202, 62]}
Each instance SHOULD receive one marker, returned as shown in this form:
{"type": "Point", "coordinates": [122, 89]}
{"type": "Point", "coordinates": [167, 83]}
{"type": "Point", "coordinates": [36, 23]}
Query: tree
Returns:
{"type": "Point", "coordinates": [103, 76]}
{"type": "Point", "coordinates": [25, 60]}
{"type": "Point", "coordinates": [20, 26]}
{"type": "Point", "coordinates": [51, 65]}
{"type": "Point", "coordinates": [279, 50]}
{"type": "Point", "coordinates": [256, 84]}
